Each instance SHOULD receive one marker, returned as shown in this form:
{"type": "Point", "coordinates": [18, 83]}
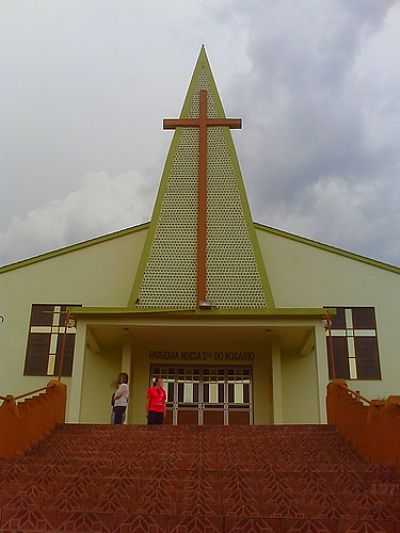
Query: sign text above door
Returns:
{"type": "Point", "coordinates": [202, 356]}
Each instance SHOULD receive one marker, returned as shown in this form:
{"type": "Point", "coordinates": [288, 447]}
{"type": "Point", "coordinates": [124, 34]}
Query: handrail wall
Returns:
{"type": "Point", "coordinates": [31, 393]}
{"type": "Point", "coordinates": [371, 426]}
{"type": "Point", "coordinates": [24, 424]}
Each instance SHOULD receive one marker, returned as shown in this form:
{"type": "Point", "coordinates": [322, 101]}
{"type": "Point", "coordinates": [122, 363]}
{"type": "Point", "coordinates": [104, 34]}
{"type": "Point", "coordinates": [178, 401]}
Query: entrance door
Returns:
{"type": "Point", "coordinates": [207, 395]}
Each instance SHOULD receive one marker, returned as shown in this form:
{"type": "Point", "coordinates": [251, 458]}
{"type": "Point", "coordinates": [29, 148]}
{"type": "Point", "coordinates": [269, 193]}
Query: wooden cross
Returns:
{"type": "Point", "coordinates": [202, 122]}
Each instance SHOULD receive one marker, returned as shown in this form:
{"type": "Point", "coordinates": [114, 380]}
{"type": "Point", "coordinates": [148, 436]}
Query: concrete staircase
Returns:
{"type": "Point", "coordinates": [286, 479]}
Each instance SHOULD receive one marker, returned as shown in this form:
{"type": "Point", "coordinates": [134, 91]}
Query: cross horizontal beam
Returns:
{"type": "Point", "coordinates": [173, 123]}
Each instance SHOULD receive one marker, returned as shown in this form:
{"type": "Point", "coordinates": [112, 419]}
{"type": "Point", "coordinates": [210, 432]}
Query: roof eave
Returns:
{"type": "Point", "coordinates": [316, 313]}
{"type": "Point", "coordinates": [329, 248]}
{"type": "Point", "coordinates": [73, 248]}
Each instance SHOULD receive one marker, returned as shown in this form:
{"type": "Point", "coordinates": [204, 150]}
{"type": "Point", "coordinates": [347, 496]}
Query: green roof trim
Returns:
{"type": "Point", "coordinates": [329, 248]}
{"type": "Point", "coordinates": [129, 312]}
{"type": "Point", "coordinates": [72, 248]}
{"type": "Point", "coordinates": [133, 229]}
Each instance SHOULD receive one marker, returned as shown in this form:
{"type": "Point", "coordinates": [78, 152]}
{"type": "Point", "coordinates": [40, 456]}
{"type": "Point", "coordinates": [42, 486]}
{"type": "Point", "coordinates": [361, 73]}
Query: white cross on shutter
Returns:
{"type": "Point", "coordinates": [55, 331]}
{"type": "Point", "coordinates": [350, 333]}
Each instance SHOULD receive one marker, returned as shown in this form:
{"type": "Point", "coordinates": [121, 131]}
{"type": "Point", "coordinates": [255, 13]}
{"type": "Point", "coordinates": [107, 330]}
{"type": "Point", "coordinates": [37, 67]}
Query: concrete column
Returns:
{"type": "Point", "coordinates": [321, 361]}
{"type": "Point", "coordinates": [126, 366]}
{"type": "Point", "coordinates": [277, 381]}
{"type": "Point", "coordinates": [75, 390]}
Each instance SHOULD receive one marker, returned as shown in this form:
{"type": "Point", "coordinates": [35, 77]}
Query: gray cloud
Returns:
{"type": "Point", "coordinates": [85, 86]}
{"type": "Point", "coordinates": [322, 155]}
{"type": "Point", "coordinates": [102, 202]}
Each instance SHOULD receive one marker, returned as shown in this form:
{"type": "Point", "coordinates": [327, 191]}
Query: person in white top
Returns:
{"type": "Point", "coordinates": [120, 399]}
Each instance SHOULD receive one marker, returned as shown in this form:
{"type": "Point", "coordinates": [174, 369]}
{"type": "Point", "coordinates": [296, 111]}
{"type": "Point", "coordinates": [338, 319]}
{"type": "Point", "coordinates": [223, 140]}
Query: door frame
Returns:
{"type": "Point", "coordinates": [201, 406]}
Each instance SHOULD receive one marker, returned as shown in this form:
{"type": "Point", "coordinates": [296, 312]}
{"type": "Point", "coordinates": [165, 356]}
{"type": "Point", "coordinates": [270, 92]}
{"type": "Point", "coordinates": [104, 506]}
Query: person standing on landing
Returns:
{"type": "Point", "coordinates": [156, 402]}
{"type": "Point", "coordinates": [120, 399]}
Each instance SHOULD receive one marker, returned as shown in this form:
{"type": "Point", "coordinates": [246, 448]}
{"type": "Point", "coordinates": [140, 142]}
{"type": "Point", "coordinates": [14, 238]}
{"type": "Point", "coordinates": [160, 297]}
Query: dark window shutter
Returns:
{"type": "Point", "coordinates": [195, 393]}
{"type": "Point", "coordinates": [42, 315]}
{"type": "Point", "coordinates": [206, 393]}
{"type": "Point", "coordinates": [364, 318]}
{"type": "Point", "coordinates": [68, 355]}
{"type": "Point", "coordinates": [171, 395]}
{"type": "Point", "coordinates": [340, 358]}
{"type": "Point", "coordinates": [37, 356]}
{"type": "Point", "coordinates": [367, 358]}
{"type": "Point", "coordinates": [221, 395]}
{"type": "Point", "coordinates": [231, 393]}
{"type": "Point", "coordinates": [339, 320]}
{"type": "Point", "coordinates": [365, 344]}
{"type": "Point", "coordinates": [246, 393]}
{"type": "Point", "coordinates": [180, 392]}
{"type": "Point", "coordinates": [37, 352]}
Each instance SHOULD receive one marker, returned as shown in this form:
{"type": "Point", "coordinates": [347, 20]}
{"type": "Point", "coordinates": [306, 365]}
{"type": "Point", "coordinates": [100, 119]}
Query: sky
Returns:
{"type": "Point", "coordinates": [84, 87]}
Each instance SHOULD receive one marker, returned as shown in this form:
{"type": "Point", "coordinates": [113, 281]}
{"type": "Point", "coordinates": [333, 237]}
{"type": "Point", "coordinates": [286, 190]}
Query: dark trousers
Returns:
{"type": "Point", "coordinates": [155, 418]}
{"type": "Point", "coordinates": [119, 414]}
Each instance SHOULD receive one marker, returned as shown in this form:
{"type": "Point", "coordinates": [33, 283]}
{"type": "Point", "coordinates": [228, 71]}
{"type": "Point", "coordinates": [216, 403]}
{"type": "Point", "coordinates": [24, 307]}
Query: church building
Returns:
{"type": "Point", "coordinates": [246, 323]}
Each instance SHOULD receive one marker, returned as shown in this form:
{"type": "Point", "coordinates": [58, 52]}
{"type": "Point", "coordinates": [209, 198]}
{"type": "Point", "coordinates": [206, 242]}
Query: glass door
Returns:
{"type": "Point", "coordinates": [207, 395]}
{"type": "Point", "coordinates": [214, 396]}
{"type": "Point", "coordinates": [238, 406]}
{"type": "Point", "coordinates": [187, 408]}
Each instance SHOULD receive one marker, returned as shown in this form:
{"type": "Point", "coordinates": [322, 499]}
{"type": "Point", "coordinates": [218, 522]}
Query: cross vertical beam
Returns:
{"type": "Point", "coordinates": [203, 123]}
{"type": "Point", "coordinates": [202, 204]}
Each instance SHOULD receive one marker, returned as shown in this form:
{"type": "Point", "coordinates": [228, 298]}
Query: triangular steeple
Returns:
{"type": "Point", "coordinates": [236, 277]}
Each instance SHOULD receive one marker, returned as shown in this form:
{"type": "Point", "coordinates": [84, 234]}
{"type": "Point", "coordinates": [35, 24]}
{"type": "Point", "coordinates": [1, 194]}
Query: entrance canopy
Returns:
{"type": "Point", "coordinates": [292, 338]}
{"type": "Point", "coordinates": [282, 351]}
{"type": "Point", "coordinates": [291, 327]}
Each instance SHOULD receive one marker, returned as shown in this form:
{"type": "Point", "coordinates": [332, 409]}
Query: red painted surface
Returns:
{"type": "Point", "coordinates": [284, 479]}
{"type": "Point", "coordinates": [372, 427]}
{"type": "Point", "coordinates": [24, 424]}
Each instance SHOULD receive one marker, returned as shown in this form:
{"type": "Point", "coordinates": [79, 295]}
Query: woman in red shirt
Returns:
{"type": "Point", "coordinates": [156, 399]}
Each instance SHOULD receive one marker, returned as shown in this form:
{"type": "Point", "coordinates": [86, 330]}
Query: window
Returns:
{"type": "Point", "coordinates": [46, 334]}
{"type": "Point", "coordinates": [353, 347]}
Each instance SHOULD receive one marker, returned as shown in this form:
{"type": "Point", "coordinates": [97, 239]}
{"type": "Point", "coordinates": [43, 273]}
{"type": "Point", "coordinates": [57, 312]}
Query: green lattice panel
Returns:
{"type": "Point", "coordinates": [233, 277]}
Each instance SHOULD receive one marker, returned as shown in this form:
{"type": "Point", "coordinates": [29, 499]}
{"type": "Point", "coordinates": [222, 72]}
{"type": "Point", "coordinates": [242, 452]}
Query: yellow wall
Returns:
{"type": "Point", "coordinates": [262, 387]}
{"type": "Point", "coordinates": [300, 389]}
{"type": "Point", "coordinates": [140, 382]}
{"type": "Point", "coordinates": [102, 275]}
{"type": "Point", "coordinates": [100, 372]}
{"type": "Point", "coordinates": [99, 275]}
{"type": "Point", "coordinates": [304, 276]}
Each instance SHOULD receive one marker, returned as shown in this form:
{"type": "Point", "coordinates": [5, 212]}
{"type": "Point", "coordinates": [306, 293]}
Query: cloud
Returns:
{"type": "Point", "coordinates": [335, 206]}
{"type": "Point", "coordinates": [102, 204]}
{"type": "Point", "coordinates": [85, 86]}
{"type": "Point", "coordinates": [322, 129]}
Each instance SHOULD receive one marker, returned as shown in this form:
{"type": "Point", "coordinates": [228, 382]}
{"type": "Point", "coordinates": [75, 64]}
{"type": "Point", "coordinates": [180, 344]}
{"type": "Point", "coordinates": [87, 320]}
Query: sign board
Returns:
{"type": "Point", "coordinates": [202, 356]}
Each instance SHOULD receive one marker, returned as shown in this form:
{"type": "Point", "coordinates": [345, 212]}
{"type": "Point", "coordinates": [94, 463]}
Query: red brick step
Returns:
{"type": "Point", "coordinates": [285, 479]}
